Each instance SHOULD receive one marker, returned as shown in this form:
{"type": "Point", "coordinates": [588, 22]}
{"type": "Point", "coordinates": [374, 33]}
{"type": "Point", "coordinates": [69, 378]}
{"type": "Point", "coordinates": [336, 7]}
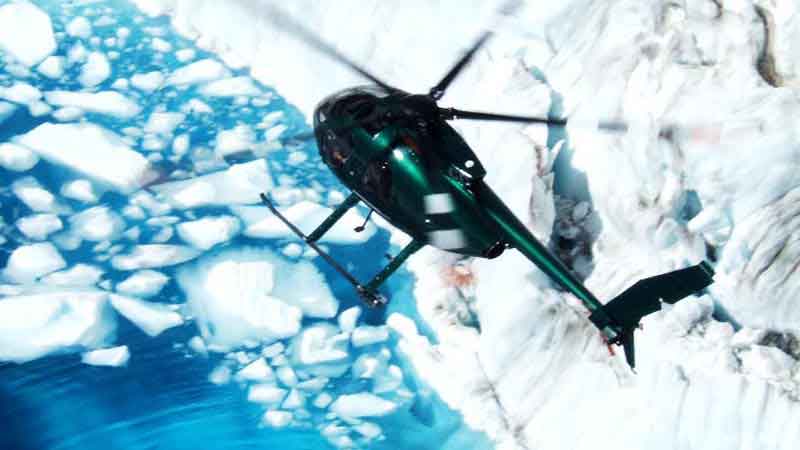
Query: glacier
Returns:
{"type": "Point", "coordinates": [493, 341]}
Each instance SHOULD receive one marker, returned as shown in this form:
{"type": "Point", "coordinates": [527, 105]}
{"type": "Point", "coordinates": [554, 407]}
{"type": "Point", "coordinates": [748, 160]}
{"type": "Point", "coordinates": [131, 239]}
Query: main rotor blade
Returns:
{"type": "Point", "coordinates": [453, 113]}
{"type": "Point", "coordinates": [437, 92]}
{"type": "Point", "coordinates": [283, 20]}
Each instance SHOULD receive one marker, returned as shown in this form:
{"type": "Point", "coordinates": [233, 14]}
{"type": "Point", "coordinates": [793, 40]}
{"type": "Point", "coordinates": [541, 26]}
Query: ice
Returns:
{"type": "Point", "coordinates": [287, 376]}
{"type": "Point", "coordinates": [96, 70]}
{"type": "Point", "coordinates": [16, 158]}
{"type": "Point", "coordinates": [52, 67]}
{"type": "Point", "coordinates": [273, 350]}
{"type": "Point", "coordinates": [107, 102]}
{"type": "Point", "coordinates": [236, 140]}
{"type": "Point", "coordinates": [152, 318]}
{"type": "Point", "coordinates": [91, 150]}
{"type": "Point", "coordinates": [322, 400]}
{"type": "Point", "coordinates": [266, 393]}
{"type": "Point", "coordinates": [319, 344]}
{"type": "Point", "coordinates": [234, 302]}
{"type": "Point", "coordinates": [20, 92]}
{"type": "Point", "coordinates": [767, 362]}
{"type": "Point", "coordinates": [161, 45]}
{"type": "Point", "coordinates": [79, 27]}
{"type": "Point", "coordinates": [107, 357]}
{"type": "Point", "coordinates": [79, 275]}
{"type": "Point", "coordinates": [277, 419]}
{"type": "Point", "coordinates": [240, 184]}
{"type": "Point", "coordinates": [294, 400]}
{"type": "Point", "coordinates": [81, 190]}
{"type": "Point", "coordinates": [143, 284]}
{"type": "Point", "coordinates": [34, 196]}
{"type": "Point", "coordinates": [26, 33]}
{"type": "Point", "coordinates": [39, 226]}
{"type": "Point", "coordinates": [198, 72]}
{"type": "Point", "coordinates": [147, 82]}
{"type": "Point", "coordinates": [209, 231]}
{"type": "Point", "coordinates": [220, 375]}
{"type": "Point", "coordinates": [149, 256]}
{"type": "Point", "coordinates": [231, 87]}
{"type": "Point", "coordinates": [163, 123]}
{"type": "Point", "coordinates": [362, 404]}
{"type": "Point", "coordinates": [260, 223]}
{"type": "Point", "coordinates": [368, 335]}
{"type": "Point", "coordinates": [258, 370]}
{"type": "Point", "coordinates": [32, 326]}
{"type": "Point", "coordinates": [29, 262]}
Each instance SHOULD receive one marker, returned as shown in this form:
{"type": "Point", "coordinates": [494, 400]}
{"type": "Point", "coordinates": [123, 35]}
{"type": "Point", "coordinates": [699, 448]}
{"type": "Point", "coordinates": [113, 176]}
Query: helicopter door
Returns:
{"type": "Point", "coordinates": [378, 180]}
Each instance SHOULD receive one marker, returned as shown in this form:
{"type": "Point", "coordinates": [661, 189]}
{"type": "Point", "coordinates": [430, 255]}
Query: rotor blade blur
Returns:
{"type": "Point", "coordinates": [282, 20]}
{"type": "Point", "coordinates": [452, 113]}
{"type": "Point", "coordinates": [437, 92]}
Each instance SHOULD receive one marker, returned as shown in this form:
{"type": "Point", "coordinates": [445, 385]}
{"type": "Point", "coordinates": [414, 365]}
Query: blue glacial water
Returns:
{"type": "Point", "coordinates": [162, 398]}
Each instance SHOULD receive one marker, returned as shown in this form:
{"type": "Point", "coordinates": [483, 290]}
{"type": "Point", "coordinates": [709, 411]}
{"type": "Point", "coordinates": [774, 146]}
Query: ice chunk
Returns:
{"type": "Point", "coordinates": [767, 362]}
{"type": "Point", "coordinates": [198, 345]}
{"type": "Point", "coordinates": [368, 429]}
{"type": "Point", "coordinates": [238, 139]}
{"type": "Point", "coordinates": [79, 275]}
{"type": "Point", "coordinates": [143, 284]}
{"type": "Point", "coordinates": [81, 190]}
{"type": "Point", "coordinates": [6, 111]}
{"type": "Point", "coordinates": [79, 27]}
{"type": "Point", "coordinates": [294, 400]}
{"type": "Point", "coordinates": [389, 380]}
{"type": "Point", "coordinates": [317, 344]}
{"type": "Point", "coordinates": [260, 223]}
{"type": "Point", "coordinates": [231, 87]}
{"type": "Point", "coordinates": [26, 33]}
{"type": "Point", "coordinates": [273, 350]}
{"type": "Point", "coordinates": [91, 150]}
{"type": "Point", "coordinates": [198, 72]}
{"type": "Point", "coordinates": [17, 158]}
{"type": "Point", "coordinates": [367, 366]}
{"type": "Point", "coordinates": [322, 400]}
{"type": "Point", "coordinates": [97, 224]}
{"type": "Point", "coordinates": [150, 256]}
{"type": "Point", "coordinates": [96, 70]}
{"type": "Point", "coordinates": [35, 197]}
{"type": "Point", "coordinates": [39, 226]}
{"type": "Point", "coordinates": [240, 184]}
{"type": "Point", "coordinates": [348, 318]}
{"type": "Point", "coordinates": [160, 45]}
{"type": "Point", "coordinates": [110, 357]}
{"type": "Point", "coordinates": [266, 393]}
{"type": "Point", "coordinates": [163, 123]}
{"type": "Point", "coordinates": [52, 67]}
{"type": "Point", "coordinates": [287, 376]}
{"type": "Point", "coordinates": [152, 318]}
{"type": "Point", "coordinates": [68, 114]}
{"type": "Point", "coordinates": [147, 82]}
{"type": "Point", "coordinates": [209, 231]}
{"type": "Point", "coordinates": [277, 419]}
{"type": "Point", "coordinates": [220, 375]}
{"type": "Point", "coordinates": [20, 92]}
{"type": "Point", "coordinates": [29, 262]}
{"type": "Point", "coordinates": [368, 335]}
{"type": "Point", "coordinates": [315, 384]}
{"type": "Point", "coordinates": [362, 404]}
{"type": "Point", "coordinates": [107, 102]}
{"type": "Point", "coordinates": [32, 326]}
{"type": "Point", "coordinates": [257, 370]}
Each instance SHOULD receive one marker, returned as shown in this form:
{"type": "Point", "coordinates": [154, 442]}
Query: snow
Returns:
{"type": "Point", "coordinates": [106, 102]}
{"type": "Point", "coordinates": [147, 82]}
{"type": "Point", "coordinates": [36, 325]}
{"type": "Point", "coordinates": [261, 223]}
{"type": "Point", "coordinates": [96, 70]}
{"type": "Point", "coordinates": [26, 33]}
{"type": "Point", "coordinates": [240, 184]}
{"type": "Point", "coordinates": [107, 357]}
{"type": "Point", "coordinates": [79, 275]}
{"type": "Point", "coordinates": [152, 318]}
{"type": "Point", "coordinates": [39, 226]}
{"type": "Point", "coordinates": [209, 231]}
{"type": "Point", "coordinates": [90, 150]}
{"type": "Point", "coordinates": [362, 405]}
{"type": "Point", "coordinates": [231, 87]}
{"type": "Point", "coordinates": [143, 284]}
{"type": "Point", "coordinates": [52, 67]}
{"type": "Point", "coordinates": [81, 190]}
{"type": "Point", "coordinates": [29, 262]}
{"type": "Point", "coordinates": [16, 158]}
{"type": "Point", "coordinates": [198, 72]}
{"type": "Point", "coordinates": [150, 256]}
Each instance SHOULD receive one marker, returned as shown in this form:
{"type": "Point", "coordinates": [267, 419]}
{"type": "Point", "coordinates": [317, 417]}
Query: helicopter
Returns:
{"type": "Point", "coordinates": [397, 154]}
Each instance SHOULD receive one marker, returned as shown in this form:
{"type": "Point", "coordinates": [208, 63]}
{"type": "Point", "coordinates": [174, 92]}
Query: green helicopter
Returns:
{"type": "Point", "coordinates": [397, 154]}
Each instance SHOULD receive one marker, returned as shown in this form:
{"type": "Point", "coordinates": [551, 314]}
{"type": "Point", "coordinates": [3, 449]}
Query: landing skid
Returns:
{"type": "Point", "coordinates": [370, 296]}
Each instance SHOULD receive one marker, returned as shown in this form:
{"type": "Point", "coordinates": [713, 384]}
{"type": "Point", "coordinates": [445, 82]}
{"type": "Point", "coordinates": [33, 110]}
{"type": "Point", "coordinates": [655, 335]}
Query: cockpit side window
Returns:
{"type": "Point", "coordinates": [335, 151]}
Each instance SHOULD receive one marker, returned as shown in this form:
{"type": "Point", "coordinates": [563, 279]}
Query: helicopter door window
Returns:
{"type": "Point", "coordinates": [378, 180]}
{"type": "Point", "coordinates": [335, 150]}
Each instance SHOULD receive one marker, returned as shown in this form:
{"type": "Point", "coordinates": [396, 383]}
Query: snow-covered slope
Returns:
{"type": "Point", "coordinates": [537, 375]}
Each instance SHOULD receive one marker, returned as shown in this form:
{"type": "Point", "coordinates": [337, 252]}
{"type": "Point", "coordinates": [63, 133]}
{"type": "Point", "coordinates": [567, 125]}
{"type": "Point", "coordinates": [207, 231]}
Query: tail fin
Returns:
{"type": "Point", "coordinates": [645, 297]}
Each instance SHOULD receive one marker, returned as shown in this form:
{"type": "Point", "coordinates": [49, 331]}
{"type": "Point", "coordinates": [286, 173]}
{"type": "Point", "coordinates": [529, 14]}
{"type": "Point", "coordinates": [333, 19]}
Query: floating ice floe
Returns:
{"type": "Point", "coordinates": [209, 231]}
{"type": "Point", "coordinates": [198, 72]}
{"type": "Point", "coordinates": [36, 325]}
{"type": "Point", "coordinates": [163, 123]}
{"type": "Point", "coordinates": [147, 82]}
{"type": "Point", "coordinates": [231, 87]}
{"type": "Point", "coordinates": [79, 275]}
{"type": "Point", "coordinates": [26, 33]}
{"type": "Point", "coordinates": [91, 150]}
{"type": "Point", "coordinates": [277, 419]}
{"type": "Point", "coordinates": [149, 256]}
{"type": "Point", "coordinates": [97, 224]}
{"type": "Point", "coordinates": [39, 226]}
{"type": "Point", "coordinates": [52, 67]}
{"type": "Point", "coordinates": [236, 140]}
{"type": "Point", "coordinates": [362, 404]}
{"type": "Point", "coordinates": [96, 70]}
{"type": "Point", "coordinates": [368, 335]}
{"type": "Point", "coordinates": [20, 92]}
{"type": "Point", "coordinates": [258, 370]}
{"type": "Point", "coordinates": [106, 102]}
{"type": "Point", "coordinates": [240, 184]}
{"type": "Point", "coordinates": [266, 394]}
{"type": "Point", "coordinates": [107, 357]}
{"type": "Point", "coordinates": [143, 284]}
{"type": "Point", "coordinates": [79, 27]}
{"type": "Point", "coordinates": [261, 223]}
{"type": "Point", "coordinates": [152, 318]}
{"type": "Point", "coordinates": [81, 190]}
{"type": "Point", "coordinates": [34, 196]}
{"type": "Point", "coordinates": [29, 262]}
